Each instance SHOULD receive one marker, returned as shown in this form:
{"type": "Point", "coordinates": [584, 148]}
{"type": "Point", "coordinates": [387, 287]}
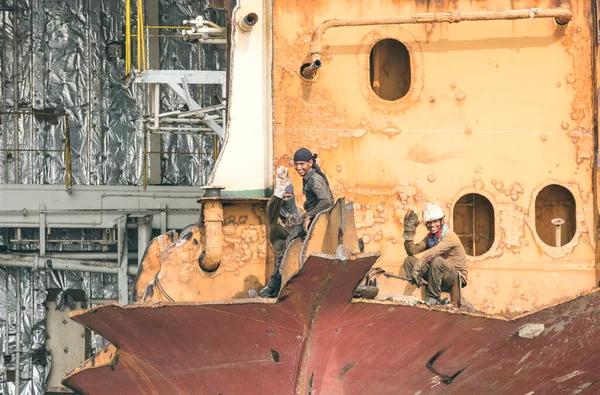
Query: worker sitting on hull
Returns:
{"type": "Point", "coordinates": [318, 198]}
{"type": "Point", "coordinates": [315, 187]}
{"type": "Point", "coordinates": [282, 216]}
{"type": "Point", "coordinates": [443, 254]}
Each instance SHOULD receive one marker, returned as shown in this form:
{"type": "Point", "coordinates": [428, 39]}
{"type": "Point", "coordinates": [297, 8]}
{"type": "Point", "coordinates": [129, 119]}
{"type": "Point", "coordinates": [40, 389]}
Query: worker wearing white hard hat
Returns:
{"type": "Point", "coordinates": [443, 254]}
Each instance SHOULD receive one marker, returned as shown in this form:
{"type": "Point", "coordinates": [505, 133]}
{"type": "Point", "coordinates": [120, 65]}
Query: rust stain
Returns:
{"type": "Point", "coordinates": [345, 370]}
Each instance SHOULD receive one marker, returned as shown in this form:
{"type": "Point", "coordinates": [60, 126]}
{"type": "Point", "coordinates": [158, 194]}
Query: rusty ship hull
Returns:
{"type": "Point", "coordinates": [315, 339]}
{"type": "Point", "coordinates": [494, 119]}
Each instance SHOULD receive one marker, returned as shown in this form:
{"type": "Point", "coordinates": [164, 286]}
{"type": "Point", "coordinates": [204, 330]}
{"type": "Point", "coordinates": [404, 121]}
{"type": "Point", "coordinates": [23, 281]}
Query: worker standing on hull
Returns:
{"type": "Point", "coordinates": [443, 254]}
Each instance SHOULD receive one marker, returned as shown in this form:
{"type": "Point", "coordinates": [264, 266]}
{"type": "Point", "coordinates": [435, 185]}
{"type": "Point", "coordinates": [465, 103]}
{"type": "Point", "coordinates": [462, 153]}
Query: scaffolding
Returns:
{"type": "Point", "coordinates": [206, 121]}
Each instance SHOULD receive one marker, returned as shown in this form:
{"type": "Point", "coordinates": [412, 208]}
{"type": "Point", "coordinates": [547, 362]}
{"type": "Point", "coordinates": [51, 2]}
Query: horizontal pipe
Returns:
{"type": "Point", "coordinates": [95, 255]}
{"type": "Point", "coordinates": [36, 262]}
{"type": "Point", "coordinates": [561, 15]}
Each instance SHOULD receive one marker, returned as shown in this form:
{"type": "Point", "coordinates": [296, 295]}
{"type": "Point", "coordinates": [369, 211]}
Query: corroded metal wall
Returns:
{"type": "Point", "coordinates": [498, 108]}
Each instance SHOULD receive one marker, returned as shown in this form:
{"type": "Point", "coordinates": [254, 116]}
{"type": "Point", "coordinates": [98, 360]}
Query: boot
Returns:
{"type": "Point", "coordinates": [266, 292]}
{"type": "Point", "coordinates": [431, 301]}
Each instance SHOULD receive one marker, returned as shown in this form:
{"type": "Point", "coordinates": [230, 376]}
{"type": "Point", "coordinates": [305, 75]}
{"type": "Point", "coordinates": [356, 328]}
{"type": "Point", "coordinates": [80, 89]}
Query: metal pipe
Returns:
{"type": "Point", "coordinates": [144, 235]}
{"type": "Point", "coordinates": [139, 34]}
{"type": "Point", "coordinates": [558, 222]}
{"type": "Point", "coordinates": [213, 228]}
{"type": "Point", "coordinates": [7, 322]}
{"type": "Point", "coordinates": [127, 37]}
{"type": "Point", "coordinates": [68, 174]}
{"type": "Point", "coordinates": [145, 162]}
{"type": "Point", "coordinates": [18, 334]}
{"type": "Point", "coordinates": [47, 263]}
{"type": "Point", "coordinates": [310, 69]}
{"type": "Point", "coordinates": [142, 33]}
{"type": "Point", "coordinates": [561, 15]}
{"type": "Point", "coordinates": [247, 23]}
{"type": "Point", "coordinates": [16, 88]}
{"type": "Point", "coordinates": [91, 255]}
{"type": "Point", "coordinates": [122, 282]}
{"type": "Point", "coordinates": [3, 65]}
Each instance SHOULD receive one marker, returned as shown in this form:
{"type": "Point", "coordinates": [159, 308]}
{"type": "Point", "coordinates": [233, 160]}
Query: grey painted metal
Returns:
{"type": "Point", "coordinates": [122, 281]}
{"type": "Point", "coordinates": [95, 206]}
{"type": "Point", "coordinates": [18, 335]}
{"type": "Point", "coordinates": [66, 343]}
{"type": "Point", "coordinates": [163, 218]}
{"type": "Point", "coordinates": [90, 255]}
{"type": "Point", "coordinates": [144, 235]}
{"type": "Point", "coordinates": [6, 318]}
{"type": "Point", "coordinates": [175, 77]}
{"type": "Point", "coordinates": [42, 208]}
{"type": "Point", "coordinates": [184, 93]}
{"type": "Point", "coordinates": [215, 126]}
{"type": "Point", "coordinates": [152, 19]}
{"type": "Point", "coordinates": [35, 262]}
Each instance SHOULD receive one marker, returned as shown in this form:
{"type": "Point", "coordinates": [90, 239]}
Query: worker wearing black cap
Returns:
{"type": "Point", "coordinates": [315, 185]}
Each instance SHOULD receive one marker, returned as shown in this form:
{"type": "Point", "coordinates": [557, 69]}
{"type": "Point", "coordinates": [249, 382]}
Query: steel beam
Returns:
{"type": "Point", "coordinates": [206, 77]}
{"type": "Point", "coordinates": [144, 235]}
{"type": "Point", "coordinates": [42, 208]}
{"type": "Point", "coordinates": [36, 262]}
{"type": "Point", "coordinates": [122, 280]}
{"type": "Point", "coordinates": [94, 206]}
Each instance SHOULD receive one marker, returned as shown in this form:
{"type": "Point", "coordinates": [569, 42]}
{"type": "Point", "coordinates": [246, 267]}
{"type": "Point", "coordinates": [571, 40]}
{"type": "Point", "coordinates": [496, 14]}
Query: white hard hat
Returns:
{"type": "Point", "coordinates": [432, 212]}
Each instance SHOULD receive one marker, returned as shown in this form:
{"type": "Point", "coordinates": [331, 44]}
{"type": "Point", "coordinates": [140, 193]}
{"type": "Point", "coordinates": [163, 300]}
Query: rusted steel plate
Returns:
{"type": "Point", "coordinates": [391, 346]}
{"type": "Point", "coordinates": [313, 340]}
{"type": "Point", "coordinates": [251, 346]}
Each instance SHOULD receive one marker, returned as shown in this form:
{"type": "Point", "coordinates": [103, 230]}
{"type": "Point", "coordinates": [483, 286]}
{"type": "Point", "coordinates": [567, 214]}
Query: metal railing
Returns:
{"type": "Point", "coordinates": [148, 152]}
{"type": "Point", "coordinates": [217, 34]}
{"type": "Point", "coordinates": [66, 150]}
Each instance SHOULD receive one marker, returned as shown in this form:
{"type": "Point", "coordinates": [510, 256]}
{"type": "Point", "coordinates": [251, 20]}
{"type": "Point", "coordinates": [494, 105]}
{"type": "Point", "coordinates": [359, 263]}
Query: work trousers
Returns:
{"type": "Point", "coordinates": [279, 246]}
{"type": "Point", "coordinates": [440, 275]}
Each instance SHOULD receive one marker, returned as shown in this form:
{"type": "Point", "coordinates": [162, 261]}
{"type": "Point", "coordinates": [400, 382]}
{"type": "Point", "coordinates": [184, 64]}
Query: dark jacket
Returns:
{"type": "Point", "coordinates": [317, 193]}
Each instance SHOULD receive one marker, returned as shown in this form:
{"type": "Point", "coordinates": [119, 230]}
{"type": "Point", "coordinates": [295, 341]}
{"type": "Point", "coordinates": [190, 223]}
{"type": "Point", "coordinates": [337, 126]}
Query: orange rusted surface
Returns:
{"type": "Point", "coordinates": [151, 262]}
{"type": "Point", "coordinates": [314, 339]}
{"type": "Point", "coordinates": [497, 108]}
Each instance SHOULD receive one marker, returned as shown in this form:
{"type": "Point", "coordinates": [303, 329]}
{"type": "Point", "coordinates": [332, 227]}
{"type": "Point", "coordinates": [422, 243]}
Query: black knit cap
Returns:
{"type": "Point", "coordinates": [304, 155]}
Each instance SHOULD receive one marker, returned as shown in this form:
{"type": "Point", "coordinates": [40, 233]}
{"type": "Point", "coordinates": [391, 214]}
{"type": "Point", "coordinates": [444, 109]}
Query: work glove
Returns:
{"type": "Point", "coordinates": [415, 278]}
{"type": "Point", "coordinates": [281, 181]}
{"type": "Point", "coordinates": [411, 221]}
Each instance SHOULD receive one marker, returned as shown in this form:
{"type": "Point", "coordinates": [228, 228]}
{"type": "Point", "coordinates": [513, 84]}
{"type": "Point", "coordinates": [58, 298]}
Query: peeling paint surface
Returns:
{"type": "Point", "coordinates": [228, 347]}
{"type": "Point", "coordinates": [171, 271]}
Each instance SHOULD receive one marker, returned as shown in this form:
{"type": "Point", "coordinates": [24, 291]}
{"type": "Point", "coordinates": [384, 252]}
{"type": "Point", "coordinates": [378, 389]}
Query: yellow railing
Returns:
{"type": "Point", "coordinates": [140, 37]}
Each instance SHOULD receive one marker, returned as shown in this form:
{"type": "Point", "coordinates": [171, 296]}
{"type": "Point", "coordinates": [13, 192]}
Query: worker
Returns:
{"type": "Point", "coordinates": [443, 254]}
{"type": "Point", "coordinates": [315, 187]}
{"type": "Point", "coordinates": [318, 198]}
{"type": "Point", "coordinates": [282, 216]}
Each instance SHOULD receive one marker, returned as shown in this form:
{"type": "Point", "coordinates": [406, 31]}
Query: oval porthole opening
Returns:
{"type": "Point", "coordinates": [473, 220]}
{"type": "Point", "coordinates": [390, 73]}
{"type": "Point", "coordinates": [555, 218]}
